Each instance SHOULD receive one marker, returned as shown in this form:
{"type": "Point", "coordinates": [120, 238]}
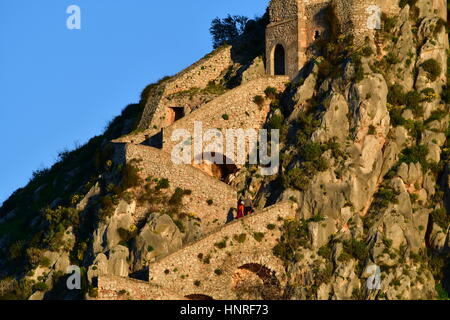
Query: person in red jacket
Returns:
{"type": "Point", "coordinates": [240, 211]}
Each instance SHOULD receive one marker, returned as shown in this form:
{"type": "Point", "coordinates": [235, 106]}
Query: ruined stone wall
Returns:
{"type": "Point", "coordinates": [121, 288]}
{"type": "Point", "coordinates": [196, 76]}
{"type": "Point", "coordinates": [233, 110]}
{"type": "Point", "coordinates": [355, 14]}
{"type": "Point", "coordinates": [158, 164]}
{"type": "Point", "coordinates": [194, 270]}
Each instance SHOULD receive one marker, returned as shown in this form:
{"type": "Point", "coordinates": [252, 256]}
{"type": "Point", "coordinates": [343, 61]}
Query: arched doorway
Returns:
{"type": "Point", "coordinates": [221, 170]}
{"type": "Point", "coordinates": [279, 60]}
{"type": "Point", "coordinates": [254, 281]}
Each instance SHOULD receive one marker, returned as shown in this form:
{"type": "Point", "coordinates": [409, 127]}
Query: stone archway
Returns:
{"type": "Point", "coordinates": [279, 58]}
{"type": "Point", "coordinates": [221, 170]}
{"type": "Point", "coordinates": [199, 297]}
{"type": "Point", "coordinates": [254, 281]}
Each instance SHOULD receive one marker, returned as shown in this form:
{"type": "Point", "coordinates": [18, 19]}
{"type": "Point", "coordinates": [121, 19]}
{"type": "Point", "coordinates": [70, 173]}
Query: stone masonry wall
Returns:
{"type": "Point", "coordinates": [196, 76]}
{"type": "Point", "coordinates": [354, 15]}
{"type": "Point", "coordinates": [237, 104]}
{"type": "Point", "coordinates": [293, 24]}
{"type": "Point", "coordinates": [179, 272]}
{"type": "Point", "coordinates": [158, 164]}
{"type": "Point", "coordinates": [283, 29]}
{"type": "Point", "coordinates": [121, 288]}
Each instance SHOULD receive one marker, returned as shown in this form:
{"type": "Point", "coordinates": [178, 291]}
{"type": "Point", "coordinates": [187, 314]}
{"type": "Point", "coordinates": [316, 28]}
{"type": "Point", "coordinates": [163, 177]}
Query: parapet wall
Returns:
{"type": "Point", "coordinates": [206, 268]}
{"type": "Point", "coordinates": [233, 110]}
{"type": "Point", "coordinates": [354, 15]}
{"type": "Point", "coordinates": [158, 164]}
{"type": "Point", "coordinates": [196, 76]}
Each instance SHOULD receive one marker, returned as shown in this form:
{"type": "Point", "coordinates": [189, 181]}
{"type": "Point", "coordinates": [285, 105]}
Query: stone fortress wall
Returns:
{"type": "Point", "coordinates": [283, 29]}
{"type": "Point", "coordinates": [120, 288]}
{"type": "Point", "coordinates": [197, 76]}
{"type": "Point", "coordinates": [233, 110]}
{"type": "Point", "coordinates": [296, 24]}
{"type": "Point", "coordinates": [158, 164]}
{"type": "Point", "coordinates": [193, 270]}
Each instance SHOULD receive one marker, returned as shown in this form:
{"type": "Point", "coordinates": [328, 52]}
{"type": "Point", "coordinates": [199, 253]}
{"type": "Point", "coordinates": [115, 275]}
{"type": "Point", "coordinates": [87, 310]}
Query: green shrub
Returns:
{"type": "Point", "coordinates": [271, 226]}
{"type": "Point", "coordinates": [441, 218]}
{"type": "Point", "coordinates": [428, 94]}
{"type": "Point", "coordinates": [276, 121]}
{"type": "Point", "coordinates": [432, 68]}
{"type": "Point", "coordinates": [367, 51]}
{"type": "Point", "coordinates": [312, 151]}
{"type": "Point", "coordinates": [177, 198]}
{"type": "Point", "coordinates": [225, 117]}
{"type": "Point", "coordinates": [415, 154]}
{"type": "Point", "coordinates": [180, 225]}
{"type": "Point", "coordinates": [222, 244]}
{"type": "Point", "coordinates": [40, 286]}
{"type": "Point", "coordinates": [296, 178]}
{"type": "Point", "coordinates": [130, 177]}
{"type": "Point", "coordinates": [389, 23]}
{"type": "Point", "coordinates": [271, 93]}
{"type": "Point", "coordinates": [45, 262]}
{"type": "Point", "coordinates": [259, 100]}
{"type": "Point", "coordinates": [162, 184]}
{"type": "Point", "coordinates": [197, 283]}
{"type": "Point", "coordinates": [218, 272]}
{"type": "Point", "coordinates": [210, 202]}
{"type": "Point", "coordinates": [357, 249]}
{"type": "Point", "coordinates": [240, 238]}
{"type": "Point", "coordinates": [259, 236]}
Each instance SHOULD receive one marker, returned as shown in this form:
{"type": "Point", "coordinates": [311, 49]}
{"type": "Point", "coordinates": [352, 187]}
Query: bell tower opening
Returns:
{"type": "Point", "coordinates": [280, 60]}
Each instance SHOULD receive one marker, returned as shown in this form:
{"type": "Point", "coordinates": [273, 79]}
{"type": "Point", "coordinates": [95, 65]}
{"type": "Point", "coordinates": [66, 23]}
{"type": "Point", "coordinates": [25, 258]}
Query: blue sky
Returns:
{"type": "Point", "coordinates": [59, 87]}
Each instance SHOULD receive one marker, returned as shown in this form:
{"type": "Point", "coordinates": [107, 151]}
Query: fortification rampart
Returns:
{"type": "Point", "coordinates": [120, 288]}
{"type": "Point", "coordinates": [235, 109]}
{"type": "Point", "coordinates": [197, 76]}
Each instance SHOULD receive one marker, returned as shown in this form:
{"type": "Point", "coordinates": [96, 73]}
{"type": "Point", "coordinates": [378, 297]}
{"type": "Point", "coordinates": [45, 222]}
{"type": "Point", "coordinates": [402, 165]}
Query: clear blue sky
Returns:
{"type": "Point", "coordinates": [59, 87]}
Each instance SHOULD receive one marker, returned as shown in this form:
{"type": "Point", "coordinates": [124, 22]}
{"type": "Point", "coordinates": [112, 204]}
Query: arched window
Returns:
{"type": "Point", "coordinates": [279, 60]}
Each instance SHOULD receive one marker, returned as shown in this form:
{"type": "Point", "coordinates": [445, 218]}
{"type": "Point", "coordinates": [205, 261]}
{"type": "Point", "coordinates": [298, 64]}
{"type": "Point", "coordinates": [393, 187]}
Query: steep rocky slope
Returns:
{"type": "Point", "coordinates": [364, 155]}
